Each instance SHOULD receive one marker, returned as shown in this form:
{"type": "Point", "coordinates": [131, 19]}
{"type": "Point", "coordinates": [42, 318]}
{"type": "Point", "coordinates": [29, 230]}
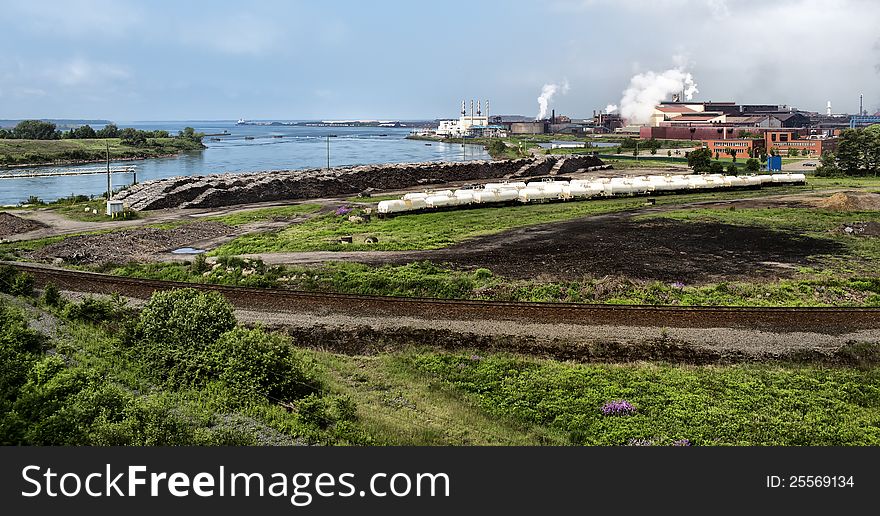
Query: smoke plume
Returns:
{"type": "Point", "coordinates": [610, 108]}
{"type": "Point", "coordinates": [547, 93]}
{"type": "Point", "coordinates": [648, 89]}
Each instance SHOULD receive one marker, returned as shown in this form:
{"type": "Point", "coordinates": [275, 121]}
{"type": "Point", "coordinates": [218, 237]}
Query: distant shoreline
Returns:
{"type": "Point", "coordinates": [18, 154]}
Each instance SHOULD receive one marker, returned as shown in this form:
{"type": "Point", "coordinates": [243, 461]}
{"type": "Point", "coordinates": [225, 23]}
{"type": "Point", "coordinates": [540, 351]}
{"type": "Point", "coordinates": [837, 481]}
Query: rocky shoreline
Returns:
{"type": "Point", "coordinates": [218, 190]}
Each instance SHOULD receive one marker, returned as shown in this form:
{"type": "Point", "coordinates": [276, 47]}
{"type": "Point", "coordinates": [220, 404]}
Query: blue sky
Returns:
{"type": "Point", "coordinates": [221, 59]}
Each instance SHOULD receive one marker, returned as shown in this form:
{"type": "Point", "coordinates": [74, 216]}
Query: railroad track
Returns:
{"type": "Point", "coordinates": [784, 319]}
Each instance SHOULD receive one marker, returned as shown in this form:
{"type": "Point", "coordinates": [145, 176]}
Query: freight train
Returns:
{"type": "Point", "coordinates": [555, 190]}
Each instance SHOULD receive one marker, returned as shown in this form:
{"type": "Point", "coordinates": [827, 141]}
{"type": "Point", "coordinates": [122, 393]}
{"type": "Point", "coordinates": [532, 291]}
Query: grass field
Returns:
{"type": "Point", "coordinates": [447, 397]}
{"type": "Point", "coordinates": [36, 152]}
{"type": "Point", "coordinates": [434, 230]}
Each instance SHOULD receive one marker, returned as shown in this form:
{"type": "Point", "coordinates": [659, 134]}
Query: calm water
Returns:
{"type": "Point", "coordinates": [299, 147]}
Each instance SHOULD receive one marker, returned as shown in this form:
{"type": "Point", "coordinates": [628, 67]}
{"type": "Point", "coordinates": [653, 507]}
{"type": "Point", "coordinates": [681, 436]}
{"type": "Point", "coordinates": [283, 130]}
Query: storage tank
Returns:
{"type": "Point", "coordinates": [464, 196]}
{"type": "Point", "coordinates": [437, 201]}
{"type": "Point", "coordinates": [485, 196]}
{"type": "Point", "coordinates": [529, 193]}
{"type": "Point", "coordinates": [415, 204]}
{"type": "Point", "coordinates": [392, 206]}
{"type": "Point", "coordinates": [417, 195]}
{"type": "Point", "coordinates": [507, 194]}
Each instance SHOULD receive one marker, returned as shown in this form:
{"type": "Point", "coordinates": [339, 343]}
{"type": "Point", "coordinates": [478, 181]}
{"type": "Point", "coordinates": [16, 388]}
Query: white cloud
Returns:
{"type": "Point", "coordinates": [236, 34]}
{"type": "Point", "coordinates": [76, 18]}
{"type": "Point", "coordinates": [80, 71]}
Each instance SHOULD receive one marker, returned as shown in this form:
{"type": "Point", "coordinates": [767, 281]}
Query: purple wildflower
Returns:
{"type": "Point", "coordinates": [681, 442]}
{"type": "Point", "coordinates": [618, 408]}
{"type": "Point", "coordinates": [342, 210]}
{"type": "Point", "coordinates": [640, 442]}
{"type": "Point", "coordinates": [678, 284]}
{"type": "Point", "coordinates": [476, 358]}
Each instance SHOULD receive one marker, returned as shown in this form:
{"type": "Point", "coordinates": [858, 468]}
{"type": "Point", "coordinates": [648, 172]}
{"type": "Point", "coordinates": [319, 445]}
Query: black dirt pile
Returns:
{"type": "Point", "coordinates": [12, 225]}
{"type": "Point", "coordinates": [229, 189]}
{"type": "Point", "coordinates": [658, 249]}
{"type": "Point", "coordinates": [128, 245]}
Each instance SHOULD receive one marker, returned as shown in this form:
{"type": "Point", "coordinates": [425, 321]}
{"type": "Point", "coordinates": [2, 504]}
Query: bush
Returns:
{"type": "Point", "coordinates": [22, 285]}
{"type": "Point", "coordinates": [199, 265]}
{"type": "Point", "coordinates": [51, 295]}
{"type": "Point", "coordinates": [255, 362]}
{"type": "Point", "coordinates": [752, 165]}
{"type": "Point", "coordinates": [96, 310]}
{"type": "Point", "coordinates": [174, 330]}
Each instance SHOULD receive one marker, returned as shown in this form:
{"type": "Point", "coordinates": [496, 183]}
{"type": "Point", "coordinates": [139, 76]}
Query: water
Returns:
{"type": "Point", "coordinates": [300, 147]}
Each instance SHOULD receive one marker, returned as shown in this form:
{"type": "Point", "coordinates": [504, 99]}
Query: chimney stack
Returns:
{"type": "Point", "coordinates": [553, 116]}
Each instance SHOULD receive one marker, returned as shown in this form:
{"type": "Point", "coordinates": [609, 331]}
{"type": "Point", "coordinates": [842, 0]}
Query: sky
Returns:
{"type": "Point", "coordinates": [338, 59]}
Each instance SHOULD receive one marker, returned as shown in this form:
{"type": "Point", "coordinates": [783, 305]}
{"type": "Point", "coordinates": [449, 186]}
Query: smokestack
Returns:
{"type": "Point", "coordinates": [487, 110]}
{"type": "Point", "coordinates": [552, 116]}
{"type": "Point", "coordinates": [828, 109]}
{"type": "Point", "coordinates": [479, 107]}
{"type": "Point", "coordinates": [472, 111]}
{"type": "Point", "coordinates": [861, 107]}
{"type": "Point", "coordinates": [463, 110]}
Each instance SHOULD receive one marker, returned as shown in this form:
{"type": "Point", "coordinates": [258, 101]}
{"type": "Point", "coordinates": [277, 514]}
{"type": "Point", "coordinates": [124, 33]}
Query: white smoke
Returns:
{"type": "Point", "coordinates": [610, 108]}
{"type": "Point", "coordinates": [547, 93]}
{"type": "Point", "coordinates": [648, 89]}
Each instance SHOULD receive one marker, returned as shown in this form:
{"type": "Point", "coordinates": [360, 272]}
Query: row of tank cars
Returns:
{"type": "Point", "coordinates": [553, 190]}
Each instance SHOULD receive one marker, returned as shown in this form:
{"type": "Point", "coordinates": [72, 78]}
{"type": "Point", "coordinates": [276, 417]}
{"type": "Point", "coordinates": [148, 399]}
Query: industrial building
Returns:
{"type": "Point", "coordinates": [744, 147]}
{"type": "Point", "coordinates": [470, 126]}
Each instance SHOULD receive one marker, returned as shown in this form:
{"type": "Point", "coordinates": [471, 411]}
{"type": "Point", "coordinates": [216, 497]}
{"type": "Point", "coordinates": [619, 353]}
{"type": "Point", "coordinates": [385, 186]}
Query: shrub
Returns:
{"type": "Point", "coordinates": [95, 310]}
{"type": "Point", "coordinates": [199, 265]}
{"type": "Point", "coordinates": [255, 362]}
{"type": "Point", "coordinates": [174, 330]}
{"type": "Point", "coordinates": [51, 295]}
{"type": "Point", "coordinates": [22, 285]}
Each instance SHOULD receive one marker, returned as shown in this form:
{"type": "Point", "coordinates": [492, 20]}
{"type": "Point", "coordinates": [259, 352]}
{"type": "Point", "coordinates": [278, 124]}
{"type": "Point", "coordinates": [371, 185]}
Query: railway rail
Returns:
{"type": "Point", "coordinates": [835, 321]}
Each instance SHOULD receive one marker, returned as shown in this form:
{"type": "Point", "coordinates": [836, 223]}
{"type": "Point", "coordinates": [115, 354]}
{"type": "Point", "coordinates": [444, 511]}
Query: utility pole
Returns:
{"type": "Point", "coordinates": [108, 171]}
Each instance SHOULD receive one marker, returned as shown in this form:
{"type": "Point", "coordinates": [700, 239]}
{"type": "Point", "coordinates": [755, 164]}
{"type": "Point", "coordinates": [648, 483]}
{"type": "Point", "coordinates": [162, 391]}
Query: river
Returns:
{"type": "Point", "coordinates": [271, 148]}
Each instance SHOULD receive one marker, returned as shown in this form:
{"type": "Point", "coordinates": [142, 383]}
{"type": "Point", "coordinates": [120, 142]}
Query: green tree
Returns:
{"type": "Point", "coordinates": [827, 165]}
{"type": "Point", "coordinates": [792, 152]}
{"type": "Point", "coordinates": [732, 153]}
{"type": "Point", "coordinates": [700, 160]}
{"type": "Point", "coordinates": [752, 165]}
{"type": "Point", "coordinates": [35, 130]}
{"type": "Point", "coordinates": [133, 137]}
{"type": "Point", "coordinates": [732, 170]}
{"type": "Point", "coordinates": [716, 168]}
{"type": "Point", "coordinates": [190, 134]}
{"type": "Point", "coordinates": [108, 131]}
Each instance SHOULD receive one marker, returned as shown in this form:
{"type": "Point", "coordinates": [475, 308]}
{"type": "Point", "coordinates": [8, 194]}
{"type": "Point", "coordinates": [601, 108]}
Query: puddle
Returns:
{"type": "Point", "coordinates": [188, 250]}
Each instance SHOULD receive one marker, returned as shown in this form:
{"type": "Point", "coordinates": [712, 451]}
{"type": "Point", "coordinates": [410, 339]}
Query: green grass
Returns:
{"type": "Point", "coordinates": [275, 212]}
{"type": "Point", "coordinates": [708, 405]}
{"type": "Point", "coordinates": [434, 230]}
{"type": "Point", "coordinates": [35, 152]}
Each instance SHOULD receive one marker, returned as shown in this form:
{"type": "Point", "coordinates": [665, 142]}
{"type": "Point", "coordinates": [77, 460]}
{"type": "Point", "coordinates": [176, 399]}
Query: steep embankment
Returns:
{"type": "Point", "coordinates": [229, 189]}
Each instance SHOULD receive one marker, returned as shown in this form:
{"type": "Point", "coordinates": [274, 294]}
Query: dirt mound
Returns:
{"type": "Point", "coordinates": [850, 201]}
{"type": "Point", "coordinates": [12, 225]}
{"type": "Point", "coordinates": [658, 249]}
{"type": "Point", "coordinates": [127, 245]}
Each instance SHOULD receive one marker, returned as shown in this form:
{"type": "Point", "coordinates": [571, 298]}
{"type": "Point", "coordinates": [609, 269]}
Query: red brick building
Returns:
{"type": "Point", "coordinates": [744, 147]}
{"type": "Point", "coordinates": [783, 140]}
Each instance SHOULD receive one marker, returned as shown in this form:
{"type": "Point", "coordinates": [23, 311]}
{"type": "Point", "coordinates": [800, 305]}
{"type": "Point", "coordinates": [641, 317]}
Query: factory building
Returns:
{"type": "Point", "coordinates": [470, 126]}
{"type": "Point", "coordinates": [744, 147]}
{"type": "Point", "coordinates": [783, 140]}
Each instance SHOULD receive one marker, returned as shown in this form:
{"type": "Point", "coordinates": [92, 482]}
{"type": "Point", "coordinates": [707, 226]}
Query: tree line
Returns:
{"type": "Point", "coordinates": [42, 130]}
{"type": "Point", "coordinates": [858, 154]}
